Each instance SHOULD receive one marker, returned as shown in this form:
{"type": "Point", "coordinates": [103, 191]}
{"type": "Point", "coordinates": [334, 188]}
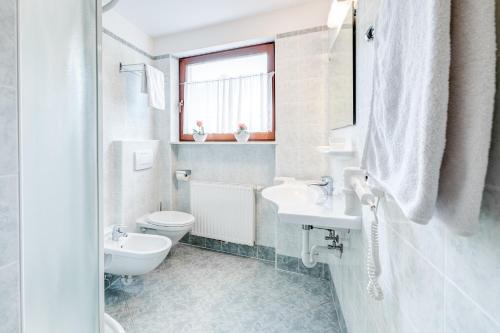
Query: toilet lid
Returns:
{"type": "Point", "coordinates": [170, 219]}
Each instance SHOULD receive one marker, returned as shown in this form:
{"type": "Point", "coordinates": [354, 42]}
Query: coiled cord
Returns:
{"type": "Point", "coordinates": [373, 259]}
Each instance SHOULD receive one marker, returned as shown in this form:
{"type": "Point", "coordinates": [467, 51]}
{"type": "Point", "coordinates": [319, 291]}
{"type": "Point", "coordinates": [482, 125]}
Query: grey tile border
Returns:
{"type": "Point", "coordinates": [228, 247]}
{"type": "Point", "coordinates": [266, 253]}
{"type": "Point", "coordinates": [109, 280]}
{"type": "Point", "coordinates": [197, 240]}
{"type": "Point", "coordinates": [317, 271]}
{"type": "Point", "coordinates": [260, 252]}
{"type": "Point", "coordinates": [185, 239]}
{"type": "Point", "coordinates": [247, 251]}
{"type": "Point", "coordinates": [302, 32]}
{"type": "Point", "coordinates": [134, 47]}
{"type": "Point", "coordinates": [162, 56]}
{"type": "Point", "coordinates": [124, 42]}
{"type": "Point", "coordinates": [336, 302]}
{"type": "Point", "coordinates": [213, 244]}
{"type": "Point", "coordinates": [286, 263]}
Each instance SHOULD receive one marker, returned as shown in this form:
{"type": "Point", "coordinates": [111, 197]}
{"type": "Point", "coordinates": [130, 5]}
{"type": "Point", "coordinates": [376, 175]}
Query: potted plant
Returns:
{"type": "Point", "coordinates": [242, 134]}
{"type": "Point", "coordinates": [199, 134]}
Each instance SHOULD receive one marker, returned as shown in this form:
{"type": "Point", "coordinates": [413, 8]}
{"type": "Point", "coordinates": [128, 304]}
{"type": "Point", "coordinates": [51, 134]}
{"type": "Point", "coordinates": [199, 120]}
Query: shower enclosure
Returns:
{"type": "Point", "coordinates": [58, 117]}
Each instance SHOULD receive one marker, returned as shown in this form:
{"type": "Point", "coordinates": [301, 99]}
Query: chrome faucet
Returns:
{"type": "Point", "coordinates": [118, 232]}
{"type": "Point", "coordinates": [326, 185]}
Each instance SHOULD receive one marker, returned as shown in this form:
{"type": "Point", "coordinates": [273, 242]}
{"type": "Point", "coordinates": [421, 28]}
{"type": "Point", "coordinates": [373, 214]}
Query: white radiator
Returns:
{"type": "Point", "coordinates": [224, 211]}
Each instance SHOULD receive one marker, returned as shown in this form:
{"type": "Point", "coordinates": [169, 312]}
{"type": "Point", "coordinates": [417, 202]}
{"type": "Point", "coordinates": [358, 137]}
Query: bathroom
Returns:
{"type": "Point", "coordinates": [235, 166]}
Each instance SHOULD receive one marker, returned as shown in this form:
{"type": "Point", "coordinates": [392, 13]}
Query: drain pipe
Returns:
{"type": "Point", "coordinates": [309, 255]}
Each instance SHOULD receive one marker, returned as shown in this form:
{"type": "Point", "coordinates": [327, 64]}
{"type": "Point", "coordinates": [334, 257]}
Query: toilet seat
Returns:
{"type": "Point", "coordinates": [170, 219]}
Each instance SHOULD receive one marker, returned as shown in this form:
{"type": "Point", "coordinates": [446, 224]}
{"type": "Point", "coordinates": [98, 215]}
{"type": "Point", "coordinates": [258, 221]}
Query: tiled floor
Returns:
{"type": "Point", "coordinates": [196, 290]}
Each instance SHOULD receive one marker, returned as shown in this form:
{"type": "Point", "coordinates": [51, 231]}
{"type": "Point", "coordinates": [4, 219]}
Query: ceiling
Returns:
{"type": "Point", "coordinates": [161, 17]}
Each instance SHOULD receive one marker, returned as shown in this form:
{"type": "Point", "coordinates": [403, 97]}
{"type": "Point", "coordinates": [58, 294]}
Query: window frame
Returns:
{"type": "Point", "coordinates": [267, 48]}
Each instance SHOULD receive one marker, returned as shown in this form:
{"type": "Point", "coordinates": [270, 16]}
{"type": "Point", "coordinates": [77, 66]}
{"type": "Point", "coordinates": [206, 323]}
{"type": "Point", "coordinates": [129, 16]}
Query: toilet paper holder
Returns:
{"type": "Point", "coordinates": [183, 175]}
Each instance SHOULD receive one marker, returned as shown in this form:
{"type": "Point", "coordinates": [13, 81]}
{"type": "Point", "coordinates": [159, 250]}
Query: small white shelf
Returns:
{"type": "Point", "coordinates": [328, 150]}
{"type": "Point", "coordinates": [249, 143]}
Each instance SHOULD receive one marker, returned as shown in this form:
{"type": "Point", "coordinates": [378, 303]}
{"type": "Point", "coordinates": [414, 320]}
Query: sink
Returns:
{"type": "Point", "coordinates": [135, 254]}
{"type": "Point", "coordinates": [301, 204]}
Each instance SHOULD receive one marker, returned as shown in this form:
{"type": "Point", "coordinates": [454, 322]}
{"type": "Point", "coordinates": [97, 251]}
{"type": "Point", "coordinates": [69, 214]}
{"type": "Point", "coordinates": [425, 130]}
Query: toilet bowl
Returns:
{"type": "Point", "coordinates": [171, 224]}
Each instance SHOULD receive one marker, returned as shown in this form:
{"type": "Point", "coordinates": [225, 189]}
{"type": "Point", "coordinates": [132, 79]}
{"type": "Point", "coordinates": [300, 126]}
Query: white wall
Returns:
{"type": "Point", "coordinates": [121, 27]}
{"type": "Point", "coordinates": [9, 172]}
{"type": "Point", "coordinates": [433, 280]}
{"type": "Point", "coordinates": [251, 30]}
{"type": "Point", "coordinates": [136, 192]}
{"type": "Point", "coordinates": [126, 114]}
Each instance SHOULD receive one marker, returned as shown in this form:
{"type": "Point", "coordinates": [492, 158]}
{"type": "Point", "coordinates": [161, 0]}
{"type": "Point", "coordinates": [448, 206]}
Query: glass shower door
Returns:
{"type": "Point", "coordinates": [58, 158]}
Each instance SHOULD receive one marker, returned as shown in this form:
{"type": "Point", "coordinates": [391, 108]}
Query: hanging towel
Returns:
{"type": "Point", "coordinates": [470, 114]}
{"type": "Point", "coordinates": [153, 83]}
{"type": "Point", "coordinates": [407, 127]}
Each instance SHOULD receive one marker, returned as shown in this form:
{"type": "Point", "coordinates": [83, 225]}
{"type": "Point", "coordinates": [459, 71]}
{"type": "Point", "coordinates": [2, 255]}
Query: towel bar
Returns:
{"type": "Point", "coordinates": [123, 68]}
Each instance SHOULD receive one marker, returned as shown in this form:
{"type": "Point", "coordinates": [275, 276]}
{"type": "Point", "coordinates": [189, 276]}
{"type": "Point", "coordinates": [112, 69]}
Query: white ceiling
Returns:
{"type": "Point", "coordinates": [161, 17]}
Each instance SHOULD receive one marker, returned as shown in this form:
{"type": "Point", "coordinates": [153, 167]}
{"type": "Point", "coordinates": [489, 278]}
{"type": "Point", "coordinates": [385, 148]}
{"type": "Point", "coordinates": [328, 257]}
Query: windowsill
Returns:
{"type": "Point", "coordinates": [259, 143]}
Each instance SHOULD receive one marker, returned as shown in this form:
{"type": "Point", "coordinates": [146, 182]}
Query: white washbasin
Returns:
{"type": "Point", "coordinates": [299, 203]}
{"type": "Point", "coordinates": [135, 254]}
{"type": "Point", "coordinates": [111, 325]}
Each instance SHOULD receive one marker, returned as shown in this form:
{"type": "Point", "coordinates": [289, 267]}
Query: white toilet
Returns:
{"type": "Point", "coordinates": [171, 224]}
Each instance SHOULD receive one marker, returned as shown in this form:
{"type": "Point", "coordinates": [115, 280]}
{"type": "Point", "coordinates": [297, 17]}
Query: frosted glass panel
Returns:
{"type": "Point", "coordinates": [58, 114]}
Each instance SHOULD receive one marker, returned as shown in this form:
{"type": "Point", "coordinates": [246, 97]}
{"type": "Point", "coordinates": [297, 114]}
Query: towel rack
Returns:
{"type": "Point", "coordinates": [125, 68]}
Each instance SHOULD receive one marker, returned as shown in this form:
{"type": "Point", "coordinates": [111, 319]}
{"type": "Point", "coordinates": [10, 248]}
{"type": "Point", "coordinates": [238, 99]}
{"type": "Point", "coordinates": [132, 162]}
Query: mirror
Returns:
{"type": "Point", "coordinates": [341, 66]}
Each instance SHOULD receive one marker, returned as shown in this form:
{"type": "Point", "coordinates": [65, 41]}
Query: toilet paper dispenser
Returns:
{"type": "Point", "coordinates": [183, 175]}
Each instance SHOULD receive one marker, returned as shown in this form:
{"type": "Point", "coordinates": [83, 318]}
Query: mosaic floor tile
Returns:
{"type": "Point", "coordinates": [196, 290]}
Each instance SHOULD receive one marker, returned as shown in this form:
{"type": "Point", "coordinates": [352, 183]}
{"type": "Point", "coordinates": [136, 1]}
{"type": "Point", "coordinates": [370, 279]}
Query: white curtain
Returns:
{"type": "Point", "coordinates": [223, 104]}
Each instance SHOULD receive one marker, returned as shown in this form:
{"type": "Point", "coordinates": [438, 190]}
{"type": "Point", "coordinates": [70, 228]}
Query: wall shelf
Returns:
{"type": "Point", "coordinates": [250, 143]}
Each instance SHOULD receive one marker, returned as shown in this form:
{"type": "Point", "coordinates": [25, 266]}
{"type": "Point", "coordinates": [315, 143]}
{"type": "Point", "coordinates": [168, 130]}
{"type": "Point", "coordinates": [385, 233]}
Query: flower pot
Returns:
{"type": "Point", "coordinates": [200, 137]}
{"type": "Point", "coordinates": [242, 137]}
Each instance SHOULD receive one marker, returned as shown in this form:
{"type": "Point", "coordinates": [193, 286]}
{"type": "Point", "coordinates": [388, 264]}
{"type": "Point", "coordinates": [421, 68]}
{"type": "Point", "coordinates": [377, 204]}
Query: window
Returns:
{"type": "Point", "coordinates": [225, 89]}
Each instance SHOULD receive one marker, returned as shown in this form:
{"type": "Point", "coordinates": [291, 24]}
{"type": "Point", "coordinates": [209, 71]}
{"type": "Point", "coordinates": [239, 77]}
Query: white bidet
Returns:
{"type": "Point", "coordinates": [135, 254]}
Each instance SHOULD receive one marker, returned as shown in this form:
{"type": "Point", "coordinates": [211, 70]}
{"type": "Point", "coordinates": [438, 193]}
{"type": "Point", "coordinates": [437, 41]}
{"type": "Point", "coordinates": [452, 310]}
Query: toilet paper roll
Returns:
{"type": "Point", "coordinates": [183, 175]}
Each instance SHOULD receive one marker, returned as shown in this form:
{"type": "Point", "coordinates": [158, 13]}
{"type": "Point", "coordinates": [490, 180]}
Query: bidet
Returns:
{"type": "Point", "coordinates": [135, 254]}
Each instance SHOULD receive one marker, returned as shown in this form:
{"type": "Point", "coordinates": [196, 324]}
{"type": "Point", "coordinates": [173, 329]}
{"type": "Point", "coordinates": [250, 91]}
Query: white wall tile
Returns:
{"type": "Point", "coordinates": [9, 220]}
{"type": "Point", "coordinates": [10, 300]}
{"type": "Point", "coordinates": [9, 194]}
{"type": "Point", "coordinates": [126, 114]}
{"type": "Point", "coordinates": [8, 130]}
{"type": "Point", "coordinates": [436, 281]}
{"type": "Point", "coordinates": [137, 191]}
{"type": "Point", "coordinates": [462, 315]}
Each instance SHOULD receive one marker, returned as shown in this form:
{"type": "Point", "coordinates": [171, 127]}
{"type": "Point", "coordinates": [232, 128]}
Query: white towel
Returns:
{"type": "Point", "coordinates": [153, 83]}
{"type": "Point", "coordinates": [407, 127]}
{"type": "Point", "coordinates": [470, 114]}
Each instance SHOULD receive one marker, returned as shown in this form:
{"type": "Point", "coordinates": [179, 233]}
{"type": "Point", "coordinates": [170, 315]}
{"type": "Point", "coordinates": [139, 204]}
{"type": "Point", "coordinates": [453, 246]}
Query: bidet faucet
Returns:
{"type": "Point", "coordinates": [326, 185]}
{"type": "Point", "coordinates": [118, 232]}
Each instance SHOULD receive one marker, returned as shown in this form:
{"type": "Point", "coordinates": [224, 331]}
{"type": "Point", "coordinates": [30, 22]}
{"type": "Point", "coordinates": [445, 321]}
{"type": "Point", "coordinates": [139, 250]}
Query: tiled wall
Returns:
{"type": "Point", "coordinates": [245, 164]}
{"type": "Point", "coordinates": [9, 201]}
{"type": "Point", "coordinates": [303, 117]}
{"type": "Point", "coordinates": [136, 192]}
{"type": "Point", "coordinates": [301, 104]}
{"type": "Point", "coordinates": [126, 114]}
{"type": "Point", "coordinates": [340, 76]}
{"type": "Point", "coordinates": [433, 280]}
{"type": "Point", "coordinates": [163, 129]}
